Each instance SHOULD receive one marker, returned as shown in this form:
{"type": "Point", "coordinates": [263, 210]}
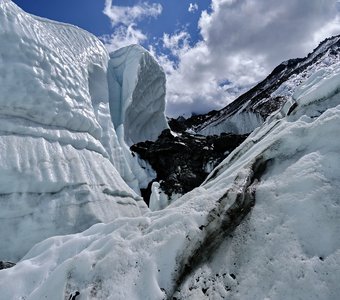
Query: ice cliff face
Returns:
{"type": "Point", "coordinates": [137, 90]}
{"type": "Point", "coordinates": [49, 64]}
{"type": "Point", "coordinates": [137, 104]}
{"type": "Point", "coordinates": [59, 149]}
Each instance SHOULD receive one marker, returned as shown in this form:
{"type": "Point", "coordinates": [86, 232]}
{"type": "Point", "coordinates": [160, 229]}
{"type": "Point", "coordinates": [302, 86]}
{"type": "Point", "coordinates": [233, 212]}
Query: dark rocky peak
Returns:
{"type": "Point", "coordinates": [181, 124]}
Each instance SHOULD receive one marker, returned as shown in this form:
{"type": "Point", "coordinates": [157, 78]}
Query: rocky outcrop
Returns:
{"type": "Point", "coordinates": [6, 265]}
{"type": "Point", "coordinates": [183, 161]}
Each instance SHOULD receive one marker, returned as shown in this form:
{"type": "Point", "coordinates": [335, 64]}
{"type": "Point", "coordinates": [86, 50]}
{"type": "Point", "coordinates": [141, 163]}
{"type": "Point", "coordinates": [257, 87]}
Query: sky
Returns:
{"type": "Point", "coordinates": [211, 50]}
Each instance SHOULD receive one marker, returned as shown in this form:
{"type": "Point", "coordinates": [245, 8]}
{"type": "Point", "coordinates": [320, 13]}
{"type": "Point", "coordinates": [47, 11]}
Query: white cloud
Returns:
{"type": "Point", "coordinates": [130, 14]}
{"type": "Point", "coordinates": [123, 36]}
{"type": "Point", "coordinates": [191, 86]}
{"type": "Point", "coordinates": [193, 7]}
{"type": "Point", "coordinates": [124, 21]}
{"type": "Point", "coordinates": [177, 43]}
{"type": "Point", "coordinates": [242, 41]}
{"type": "Point", "coordinates": [277, 29]}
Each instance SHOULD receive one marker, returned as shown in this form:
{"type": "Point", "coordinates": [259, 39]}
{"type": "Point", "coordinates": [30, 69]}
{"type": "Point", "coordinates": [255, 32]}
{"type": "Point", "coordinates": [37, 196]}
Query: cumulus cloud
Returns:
{"type": "Point", "coordinates": [193, 7]}
{"type": "Point", "coordinates": [130, 14]}
{"type": "Point", "coordinates": [124, 21]}
{"type": "Point", "coordinates": [177, 43]}
{"type": "Point", "coordinates": [242, 41]}
{"type": "Point", "coordinates": [123, 36]}
{"type": "Point", "coordinates": [276, 29]}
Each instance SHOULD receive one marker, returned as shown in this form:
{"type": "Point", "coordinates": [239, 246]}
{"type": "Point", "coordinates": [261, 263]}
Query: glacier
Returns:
{"type": "Point", "coordinates": [64, 165]}
{"type": "Point", "coordinates": [136, 86]}
{"type": "Point", "coordinates": [285, 175]}
{"type": "Point", "coordinates": [263, 225]}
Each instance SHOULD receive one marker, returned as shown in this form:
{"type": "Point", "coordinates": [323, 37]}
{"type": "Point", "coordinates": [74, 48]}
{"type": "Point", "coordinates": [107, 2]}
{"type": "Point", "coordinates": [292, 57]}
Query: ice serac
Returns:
{"type": "Point", "coordinates": [56, 169]}
{"type": "Point", "coordinates": [137, 94]}
{"type": "Point", "coordinates": [207, 245]}
{"type": "Point", "coordinates": [136, 86]}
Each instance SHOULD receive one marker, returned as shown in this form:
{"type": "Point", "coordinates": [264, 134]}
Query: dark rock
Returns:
{"type": "Point", "coordinates": [74, 296]}
{"type": "Point", "coordinates": [181, 124]}
{"type": "Point", "coordinates": [180, 161]}
{"type": "Point", "coordinates": [6, 265]}
{"type": "Point", "coordinates": [178, 125]}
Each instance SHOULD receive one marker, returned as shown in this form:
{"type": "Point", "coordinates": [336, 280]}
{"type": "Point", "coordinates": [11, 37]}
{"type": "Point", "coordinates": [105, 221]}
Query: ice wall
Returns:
{"type": "Point", "coordinates": [57, 156]}
{"type": "Point", "coordinates": [137, 94]}
{"type": "Point", "coordinates": [48, 63]}
{"type": "Point", "coordinates": [137, 102]}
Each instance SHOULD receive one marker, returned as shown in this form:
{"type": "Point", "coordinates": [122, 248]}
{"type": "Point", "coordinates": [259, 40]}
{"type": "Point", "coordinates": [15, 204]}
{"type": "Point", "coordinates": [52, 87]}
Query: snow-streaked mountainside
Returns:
{"type": "Point", "coordinates": [59, 149]}
{"type": "Point", "coordinates": [264, 224]}
{"type": "Point", "coordinates": [252, 108]}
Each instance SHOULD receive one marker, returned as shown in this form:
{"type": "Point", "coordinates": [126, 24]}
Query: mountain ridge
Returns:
{"type": "Point", "coordinates": [250, 101]}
